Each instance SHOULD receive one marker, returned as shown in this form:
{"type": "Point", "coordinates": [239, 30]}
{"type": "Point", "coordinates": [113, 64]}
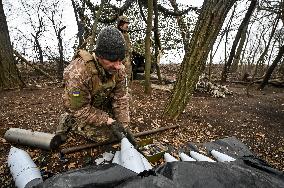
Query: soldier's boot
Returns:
{"type": "Point", "coordinates": [66, 122]}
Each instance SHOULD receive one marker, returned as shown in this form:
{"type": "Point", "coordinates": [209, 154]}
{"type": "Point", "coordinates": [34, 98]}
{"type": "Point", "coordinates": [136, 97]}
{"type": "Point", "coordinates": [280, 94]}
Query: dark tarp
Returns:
{"type": "Point", "coordinates": [174, 174]}
{"type": "Point", "coordinates": [230, 146]}
{"type": "Point", "coordinates": [246, 171]}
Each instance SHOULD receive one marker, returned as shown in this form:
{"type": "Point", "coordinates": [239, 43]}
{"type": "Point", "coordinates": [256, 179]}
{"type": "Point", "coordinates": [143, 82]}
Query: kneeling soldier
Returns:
{"type": "Point", "coordinates": [96, 95]}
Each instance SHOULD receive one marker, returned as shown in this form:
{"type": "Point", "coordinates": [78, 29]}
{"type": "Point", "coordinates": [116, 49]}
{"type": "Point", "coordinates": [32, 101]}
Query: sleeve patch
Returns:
{"type": "Point", "coordinates": [75, 93]}
{"type": "Point", "coordinates": [76, 99]}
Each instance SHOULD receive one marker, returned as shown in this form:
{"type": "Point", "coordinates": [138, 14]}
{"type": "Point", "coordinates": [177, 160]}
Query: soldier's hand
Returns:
{"type": "Point", "coordinates": [110, 121]}
{"type": "Point", "coordinates": [118, 130]}
{"type": "Point", "coordinates": [121, 132]}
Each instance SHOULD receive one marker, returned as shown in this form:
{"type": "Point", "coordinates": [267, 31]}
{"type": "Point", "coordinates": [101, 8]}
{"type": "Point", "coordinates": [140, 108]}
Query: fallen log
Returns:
{"type": "Point", "coordinates": [88, 146]}
{"type": "Point", "coordinates": [21, 58]}
{"type": "Point", "coordinates": [274, 82]}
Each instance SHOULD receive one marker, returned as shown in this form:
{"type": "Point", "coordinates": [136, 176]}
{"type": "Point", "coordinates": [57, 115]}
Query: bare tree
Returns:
{"type": "Point", "coordinates": [54, 15]}
{"type": "Point", "coordinates": [237, 39]}
{"type": "Point", "coordinates": [37, 26]}
{"type": "Point", "coordinates": [260, 61]}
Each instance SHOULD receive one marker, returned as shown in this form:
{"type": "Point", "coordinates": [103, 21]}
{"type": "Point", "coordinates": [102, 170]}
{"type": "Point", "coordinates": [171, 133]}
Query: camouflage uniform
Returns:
{"type": "Point", "coordinates": [139, 47]}
{"type": "Point", "coordinates": [92, 95]}
{"type": "Point", "coordinates": [128, 51]}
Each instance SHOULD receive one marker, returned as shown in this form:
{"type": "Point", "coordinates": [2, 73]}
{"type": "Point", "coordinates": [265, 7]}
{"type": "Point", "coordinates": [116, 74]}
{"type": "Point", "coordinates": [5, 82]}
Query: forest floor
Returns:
{"type": "Point", "coordinates": [257, 120]}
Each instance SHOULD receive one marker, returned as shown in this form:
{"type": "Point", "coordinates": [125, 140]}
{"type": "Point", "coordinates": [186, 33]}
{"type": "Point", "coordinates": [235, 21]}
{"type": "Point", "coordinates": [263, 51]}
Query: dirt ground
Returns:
{"type": "Point", "coordinates": [258, 121]}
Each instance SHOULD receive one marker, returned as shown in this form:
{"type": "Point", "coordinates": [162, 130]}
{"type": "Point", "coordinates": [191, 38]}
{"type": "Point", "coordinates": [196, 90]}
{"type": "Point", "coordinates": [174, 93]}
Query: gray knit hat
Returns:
{"type": "Point", "coordinates": [110, 44]}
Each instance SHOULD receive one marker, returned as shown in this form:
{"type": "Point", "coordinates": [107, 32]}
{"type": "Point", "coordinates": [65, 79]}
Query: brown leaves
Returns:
{"type": "Point", "coordinates": [205, 119]}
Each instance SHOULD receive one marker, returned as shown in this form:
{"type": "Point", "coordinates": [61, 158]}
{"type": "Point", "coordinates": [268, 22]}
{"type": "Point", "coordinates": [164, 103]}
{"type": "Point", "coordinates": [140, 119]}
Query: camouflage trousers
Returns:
{"type": "Point", "coordinates": [128, 69]}
{"type": "Point", "coordinates": [97, 133]}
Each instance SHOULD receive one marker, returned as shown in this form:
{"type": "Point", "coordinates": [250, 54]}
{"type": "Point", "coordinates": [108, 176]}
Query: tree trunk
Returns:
{"type": "Point", "coordinates": [9, 74]}
{"type": "Point", "coordinates": [239, 51]}
{"type": "Point", "coordinates": [157, 42]}
{"type": "Point", "coordinates": [225, 31]}
{"type": "Point", "coordinates": [254, 55]}
{"type": "Point", "coordinates": [96, 21]}
{"type": "Point", "coordinates": [208, 26]}
{"type": "Point", "coordinates": [272, 67]}
{"type": "Point", "coordinates": [147, 47]}
{"type": "Point", "coordinates": [38, 47]}
{"type": "Point", "coordinates": [237, 38]}
{"type": "Point", "coordinates": [79, 22]}
{"type": "Point", "coordinates": [182, 26]}
{"type": "Point", "coordinates": [210, 65]}
{"type": "Point", "coordinates": [281, 70]}
{"type": "Point", "coordinates": [243, 65]}
{"type": "Point", "coordinates": [260, 61]}
{"type": "Point", "coordinates": [60, 63]}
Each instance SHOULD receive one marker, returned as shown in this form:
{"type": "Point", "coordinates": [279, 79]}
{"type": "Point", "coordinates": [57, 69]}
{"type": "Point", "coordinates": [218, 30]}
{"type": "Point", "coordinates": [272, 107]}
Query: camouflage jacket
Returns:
{"type": "Point", "coordinates": [91, 94]}
{"type": "Point", "coordinates": [128, 50]}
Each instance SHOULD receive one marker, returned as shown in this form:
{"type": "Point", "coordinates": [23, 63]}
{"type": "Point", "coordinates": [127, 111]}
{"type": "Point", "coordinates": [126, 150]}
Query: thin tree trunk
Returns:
{"type": "Point", "coordinates": [210, 65]}
{"type": "Point", "coordinates": [239, 51]}
{"type": "Point", "coordinates": [182, 26]}
{"type": "Point", "coordinates": [244, 66]}
{"type": "Point", "coordinates": [272, 67]}
{"type": "Point", "coordinates": [80, 24]}
{"type": "Point", "coordinates": [141, 11]}
{"type": "Point", "coordinates": [260, 61]}
{"type": "Point", "coordinates": [236, 41]}
{"type": "Point", "coordinates": [157, 42]}
{"type": "Point", "coordinates": [60, 63]}
{"type": "Point", "coordinates": [37, 43]}
{"type": "Point", "coordinates": [208, 26]}
{"type": "Point", "coordinates": [147, 47]}
{"type": "Point", "coordinates": [91, 39]}
{"type": "Point", "coordinates": [95, 25]}
{"type": "Point", "coordinates": [254, 55]}
{"type": "Point", "coordinates": [270, 55]}
{"type": "Point", "coordinates": [224, 33]}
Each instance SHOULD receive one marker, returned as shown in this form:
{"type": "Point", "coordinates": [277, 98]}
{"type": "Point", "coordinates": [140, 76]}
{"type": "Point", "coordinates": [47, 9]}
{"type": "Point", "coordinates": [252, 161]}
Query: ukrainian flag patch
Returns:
{"type": "Point", "coordinates": [76, 93]}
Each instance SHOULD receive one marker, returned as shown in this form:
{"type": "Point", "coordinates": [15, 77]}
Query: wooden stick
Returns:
{"type": "Point", "coordinates": [144, 133]}
{"type": "Point", "coordinates": [87, 146]}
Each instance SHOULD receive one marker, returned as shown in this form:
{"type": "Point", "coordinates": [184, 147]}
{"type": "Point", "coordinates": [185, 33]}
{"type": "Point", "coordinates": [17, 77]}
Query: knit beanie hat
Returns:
{"type": "Point", "coordinates": [110, 44]}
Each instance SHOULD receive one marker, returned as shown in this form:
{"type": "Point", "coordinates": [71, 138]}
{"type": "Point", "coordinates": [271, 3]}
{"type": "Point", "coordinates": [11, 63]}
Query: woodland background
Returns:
{"type": "Point", "coordinates": [226, 48]}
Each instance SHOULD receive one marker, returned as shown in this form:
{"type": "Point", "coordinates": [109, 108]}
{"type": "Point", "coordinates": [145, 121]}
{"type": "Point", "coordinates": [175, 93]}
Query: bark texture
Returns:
{"type": "Point", "coordinates": [208, 26]}
{"type": "Point", "coordinates": [9, 74]}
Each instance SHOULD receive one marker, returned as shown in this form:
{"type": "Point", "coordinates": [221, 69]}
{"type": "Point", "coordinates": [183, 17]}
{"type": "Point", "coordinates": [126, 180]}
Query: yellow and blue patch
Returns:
{"type": "Point", "coordinates": [76, 93]}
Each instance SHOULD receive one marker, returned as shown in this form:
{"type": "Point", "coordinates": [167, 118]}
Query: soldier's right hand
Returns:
{"type": "Point", "coordinates": [110, 121]}
{"type": "Point", "coordinates": [120, 132]}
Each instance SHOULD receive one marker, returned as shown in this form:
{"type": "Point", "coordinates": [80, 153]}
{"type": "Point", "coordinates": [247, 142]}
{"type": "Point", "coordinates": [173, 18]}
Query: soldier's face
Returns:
{"type": "Point", "coordinates": [124, 26]}
{"type": "Point", "coordinates": [110, 66]}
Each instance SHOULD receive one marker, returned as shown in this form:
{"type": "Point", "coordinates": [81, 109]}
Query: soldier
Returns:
{"type": "Point", "coordinates": [96, 94]}
{"type": "Point", "coordinates": [122, 25]}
